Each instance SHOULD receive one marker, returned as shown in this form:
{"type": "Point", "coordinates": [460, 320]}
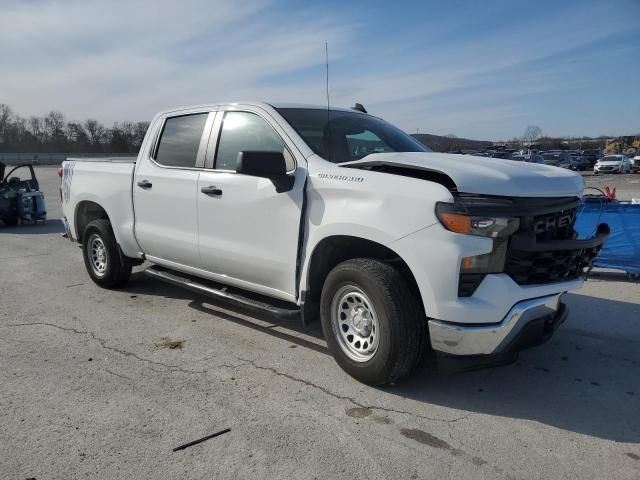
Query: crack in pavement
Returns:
{"type": "Point", "coordinates": [347, 398]}
{"type": "Point", "coordinates": [103, 344]}
{"type": "Point", "coordinates": [119, 375]}
{"type": "Point", "coordinates": [25, 256]}
{"type": "Point", "coordinates": [172, 367]}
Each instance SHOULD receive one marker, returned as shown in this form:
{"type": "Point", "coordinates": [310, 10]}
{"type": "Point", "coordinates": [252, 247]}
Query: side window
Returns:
{"type": "Point", "coordinates": [246, 132]}
{"type": "Point", "coordinates": [180, 140]}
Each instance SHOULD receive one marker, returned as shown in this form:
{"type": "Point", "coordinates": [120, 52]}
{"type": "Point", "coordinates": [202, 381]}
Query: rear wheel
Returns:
{"type": "Point", "coordinates": [102, 257]}
{"type": "Point", "coordinates": [372, 321]}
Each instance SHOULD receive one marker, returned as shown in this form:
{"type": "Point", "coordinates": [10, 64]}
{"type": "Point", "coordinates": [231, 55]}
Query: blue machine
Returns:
{"type": "Point", "coordinates": [621, 251]}
{"type": "Point", "coordinates": [20, 199]}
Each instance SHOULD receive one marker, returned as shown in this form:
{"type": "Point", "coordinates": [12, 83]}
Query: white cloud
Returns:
{"type": "Point", "coordinates": [127, 59]}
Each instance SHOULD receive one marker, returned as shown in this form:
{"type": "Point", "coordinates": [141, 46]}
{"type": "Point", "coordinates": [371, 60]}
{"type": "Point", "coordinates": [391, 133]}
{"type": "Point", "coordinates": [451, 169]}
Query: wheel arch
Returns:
{"type": "Point", "coordinates": [86, 211]}
{"type": "Point", "coordinates": [335, 249]}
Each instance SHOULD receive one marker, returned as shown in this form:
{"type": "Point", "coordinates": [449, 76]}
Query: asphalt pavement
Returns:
{"type": "Point", "coordinates": [106, 384]}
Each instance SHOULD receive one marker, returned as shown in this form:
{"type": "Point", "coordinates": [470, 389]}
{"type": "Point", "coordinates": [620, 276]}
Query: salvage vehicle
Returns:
{"type": "Point", "coordinates": [336, 214]}
{"type": "Point", "coordinates": [579, 163]}
{"type": "Point", "coordinates": [635, 163]}
{"type": "Point", "coordinates": [613, 164]}
{"type": "Point", "coordinates": [20, 198]}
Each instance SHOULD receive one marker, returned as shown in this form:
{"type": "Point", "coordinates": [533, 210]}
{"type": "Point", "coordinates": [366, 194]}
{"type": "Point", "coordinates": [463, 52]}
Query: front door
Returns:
{"type": "Point", "coordinates": [248, 233]}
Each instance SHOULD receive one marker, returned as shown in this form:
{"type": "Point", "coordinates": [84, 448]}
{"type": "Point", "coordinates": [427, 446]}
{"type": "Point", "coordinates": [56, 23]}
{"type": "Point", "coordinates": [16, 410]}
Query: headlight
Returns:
{"type": "Point", "coordinates": [469, 219]}
{"type": "Point", "coordinates": [484, 226]}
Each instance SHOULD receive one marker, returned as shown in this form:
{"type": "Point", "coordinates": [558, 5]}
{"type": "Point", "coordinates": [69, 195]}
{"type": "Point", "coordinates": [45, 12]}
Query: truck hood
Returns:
{"type": "Point", "coordinates": [480, 175]}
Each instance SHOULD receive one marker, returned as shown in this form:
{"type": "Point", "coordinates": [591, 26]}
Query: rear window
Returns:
{"type": "Point", "coordinates": [180, 140]}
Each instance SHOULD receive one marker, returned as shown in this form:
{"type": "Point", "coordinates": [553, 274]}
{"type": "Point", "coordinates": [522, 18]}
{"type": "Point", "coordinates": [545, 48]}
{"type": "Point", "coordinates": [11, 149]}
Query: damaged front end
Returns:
{"type": "Point", "coordinates": [535, 243]}
{"type": "Point", "coordinates": [534, 238]}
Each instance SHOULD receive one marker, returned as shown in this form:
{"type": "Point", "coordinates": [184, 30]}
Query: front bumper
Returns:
{"type": "Point", "coordinates": [505, 336]}
{"type": "Point", "coordinates": [607, 169]}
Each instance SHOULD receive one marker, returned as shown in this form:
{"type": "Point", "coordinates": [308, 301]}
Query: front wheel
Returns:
{"type": "Point", "coordinates": [102, 256]}
{"type": "Point", "coordinates": [372, 321]}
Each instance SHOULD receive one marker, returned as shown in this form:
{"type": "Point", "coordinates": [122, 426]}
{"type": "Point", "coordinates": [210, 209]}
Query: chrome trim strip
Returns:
{"type": "Point", "coordinates": [472, 339]}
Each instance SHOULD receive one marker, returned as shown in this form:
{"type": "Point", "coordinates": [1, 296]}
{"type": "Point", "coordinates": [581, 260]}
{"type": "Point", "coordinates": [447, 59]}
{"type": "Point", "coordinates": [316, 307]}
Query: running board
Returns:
{"type": "Point", "coordinates": [221, 292]}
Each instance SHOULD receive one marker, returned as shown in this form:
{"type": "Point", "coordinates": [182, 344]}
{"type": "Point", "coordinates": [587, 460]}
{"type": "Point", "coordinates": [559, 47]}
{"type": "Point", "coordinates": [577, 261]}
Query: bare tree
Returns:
{"type": "Point", "coordinates": [139, 132]}
{"type": "Point", "coordinates": [54, 127]}
{"type": "Point", "coordinates": [532, 133]}
{"type": "Point", "coordinates": [6, 115]}
{"type": "Point", "coordinates": [77, 134]}
{"type": "Point", "coordinates": [95, 131]}
{"type": "Point", "coordinates": [34, 126]}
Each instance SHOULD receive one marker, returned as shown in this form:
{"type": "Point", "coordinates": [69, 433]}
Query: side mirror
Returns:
{"type": "Point", "coordinates": [271, 165]}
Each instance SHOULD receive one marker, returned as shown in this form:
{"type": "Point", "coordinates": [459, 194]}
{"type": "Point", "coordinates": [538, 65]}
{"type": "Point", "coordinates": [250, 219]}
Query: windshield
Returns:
{"type": "Point", "coordinates": [343, 136]}
{"type": "Point", "coordinates": [610, 159]}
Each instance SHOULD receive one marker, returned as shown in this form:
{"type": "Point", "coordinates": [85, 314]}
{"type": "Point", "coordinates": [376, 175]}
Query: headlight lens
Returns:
{"type": "Point", "coordinates": [483, 226]}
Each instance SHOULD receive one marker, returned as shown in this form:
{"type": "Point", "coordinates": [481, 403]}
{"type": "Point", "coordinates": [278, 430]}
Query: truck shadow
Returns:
{"type": "Point", "coordinates": [585, 380]}
{"type": "Point", "coordinates": [46, 228]}
{"type": "Point", "coordinates": [288, 328]}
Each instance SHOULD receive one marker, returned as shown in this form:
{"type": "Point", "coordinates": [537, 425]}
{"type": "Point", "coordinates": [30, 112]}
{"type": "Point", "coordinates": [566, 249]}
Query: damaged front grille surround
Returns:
{"type": "Point", "coordinates": [544, 249]}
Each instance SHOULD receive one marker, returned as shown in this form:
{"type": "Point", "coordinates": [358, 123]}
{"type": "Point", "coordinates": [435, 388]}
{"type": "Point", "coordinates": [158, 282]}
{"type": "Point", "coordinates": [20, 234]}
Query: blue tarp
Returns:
{"type": "Point", "coordinates": [621, 251]}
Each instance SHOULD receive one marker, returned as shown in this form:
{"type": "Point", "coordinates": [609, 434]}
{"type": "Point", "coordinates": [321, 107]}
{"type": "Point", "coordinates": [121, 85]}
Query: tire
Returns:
{"type": "Point", "coordinates": [102, 257]}
{"type": "Point", "coordinates": [633, 277]}
{"type": "Point", "coordinates": [383, 301]}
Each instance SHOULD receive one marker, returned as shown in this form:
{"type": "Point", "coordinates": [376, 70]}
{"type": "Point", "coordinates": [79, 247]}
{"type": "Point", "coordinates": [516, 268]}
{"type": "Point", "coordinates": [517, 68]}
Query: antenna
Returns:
{"type": "Point", "coordinates": [326, 62]}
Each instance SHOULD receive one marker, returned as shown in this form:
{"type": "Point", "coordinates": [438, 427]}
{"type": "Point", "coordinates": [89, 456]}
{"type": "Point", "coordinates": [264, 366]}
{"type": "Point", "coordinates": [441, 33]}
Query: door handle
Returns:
{"type": "Point", "coordinates": [211, 190]}
{"type": "Point", "coordinates": [145, 184]}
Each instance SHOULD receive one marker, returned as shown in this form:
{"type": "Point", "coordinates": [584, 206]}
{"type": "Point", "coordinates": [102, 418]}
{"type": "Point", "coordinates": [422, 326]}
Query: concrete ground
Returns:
{"type": "Point", "coordinates": [104, 384]}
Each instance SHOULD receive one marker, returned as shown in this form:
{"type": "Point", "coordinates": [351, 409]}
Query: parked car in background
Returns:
{"type": "Point", "coordinates": [635, 163]}
{"type": "Point", "coordinates": [578, 162]}
{"type": "Point", "coordinates": [559, 159]}
{"type": "Point", "coordinates": [499, 154]}
{"type": "Point", "coordinates": [566, 163]}
{"type": "Point", "coordinates": [613, 164]}
{"type": "Point", "coordinates": [592, 155]}
{"type": "Point", "coordinates": [532, 158]}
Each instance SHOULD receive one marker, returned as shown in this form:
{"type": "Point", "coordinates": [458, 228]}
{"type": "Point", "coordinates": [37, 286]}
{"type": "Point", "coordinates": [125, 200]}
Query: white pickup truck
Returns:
{"type": "Point", "coordinates": [337, 213]}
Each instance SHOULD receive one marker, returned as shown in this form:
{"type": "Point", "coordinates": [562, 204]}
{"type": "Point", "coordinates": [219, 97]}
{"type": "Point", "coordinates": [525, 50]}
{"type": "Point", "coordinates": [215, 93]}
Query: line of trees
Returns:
{"type": "Point", "coordinates": [53, 133]}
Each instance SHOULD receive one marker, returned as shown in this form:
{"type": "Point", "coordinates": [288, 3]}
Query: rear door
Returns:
{"type": "Point", "coordinates": [165, 186]}
{"type": "Point", "coordinates": [249, 232]}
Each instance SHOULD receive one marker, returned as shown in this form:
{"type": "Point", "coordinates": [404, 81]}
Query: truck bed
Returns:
{"type": "Point", "coordinates": [106, 182]}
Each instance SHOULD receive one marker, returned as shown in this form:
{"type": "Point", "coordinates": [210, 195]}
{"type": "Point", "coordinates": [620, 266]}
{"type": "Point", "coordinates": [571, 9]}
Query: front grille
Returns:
{"type": "Point", "coordinates": [536, 267]}
{"type": "Point", "coordinates": [527, 268]}
{"type": "Point", "coordinates": [555, 230]}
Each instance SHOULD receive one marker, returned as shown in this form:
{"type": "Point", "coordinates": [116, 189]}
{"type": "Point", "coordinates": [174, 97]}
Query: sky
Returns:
{"type": "Point", "coordinates": [475, 69]}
